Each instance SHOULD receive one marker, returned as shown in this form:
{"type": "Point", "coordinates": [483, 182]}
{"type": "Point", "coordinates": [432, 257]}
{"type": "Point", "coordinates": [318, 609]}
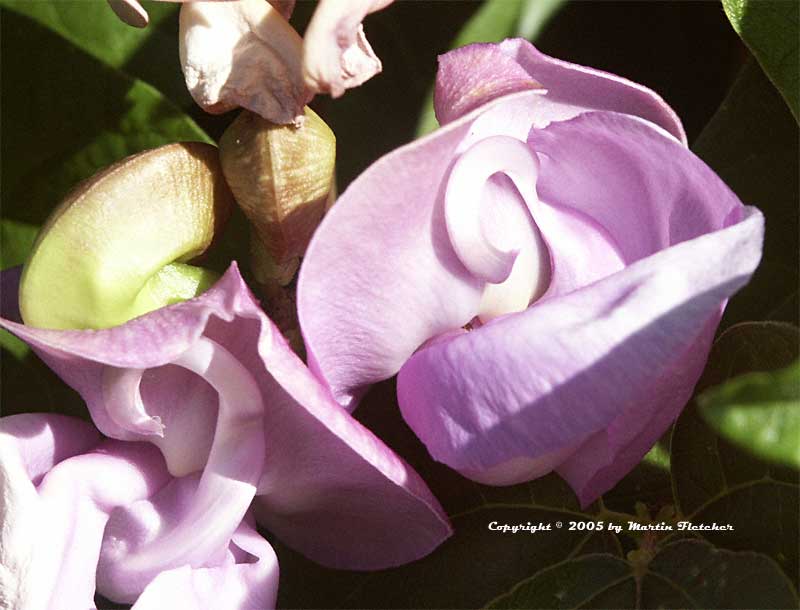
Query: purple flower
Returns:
{"type": "Point", "coordinates": [544, 273]}
{"type": "Point", "coordinates": [215, 423]}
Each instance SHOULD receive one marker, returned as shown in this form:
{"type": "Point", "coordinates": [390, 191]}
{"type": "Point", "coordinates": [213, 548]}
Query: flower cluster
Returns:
{"type": "Point", "coordinates": [544, 274]}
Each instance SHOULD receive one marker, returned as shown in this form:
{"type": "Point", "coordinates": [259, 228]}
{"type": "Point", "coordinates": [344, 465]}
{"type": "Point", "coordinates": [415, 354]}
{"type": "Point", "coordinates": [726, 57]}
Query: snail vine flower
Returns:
{"type": "Point", "coordinates": [544, 273]}
{"type": "Point", "coordinates": [211, 422]}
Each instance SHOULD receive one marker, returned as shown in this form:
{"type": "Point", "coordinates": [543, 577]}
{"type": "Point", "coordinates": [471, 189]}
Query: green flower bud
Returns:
{"type": "Point", "coordinates": [116, 247]}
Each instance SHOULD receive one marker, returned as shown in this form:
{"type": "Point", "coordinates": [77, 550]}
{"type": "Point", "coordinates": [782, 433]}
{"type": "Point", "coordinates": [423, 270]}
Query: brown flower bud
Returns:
{"type": "Point", "coordinates": [282, 177]}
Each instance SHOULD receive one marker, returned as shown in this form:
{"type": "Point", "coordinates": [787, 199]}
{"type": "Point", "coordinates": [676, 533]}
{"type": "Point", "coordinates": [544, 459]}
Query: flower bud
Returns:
{"type": "Point", "coordinates": [282, 177]}
{"type": "Point", "coordinates": [116, 247]}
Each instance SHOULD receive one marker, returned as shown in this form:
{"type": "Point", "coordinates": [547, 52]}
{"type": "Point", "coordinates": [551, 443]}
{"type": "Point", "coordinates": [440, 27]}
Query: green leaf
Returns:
{"type": "Point", "coordinates": [535, 16]}
{"type": "Point", "coordinates": [16, 241]}
{"type": "Point", "coordinates": [770, 30]}
{"type": "Point", "coordinates": [694, 573]}
{"type": "Point", "coordinates": [648, 482]}
{"type": "Point", "coordinates": [499, 19]}
{"type": "Point", "coordinates": [494, 21]}
{"type": "Point", "coordinates": [715, 481]}
{"type": "Point", "coordinates": [15, 347]}
{"type": "Point", "coordinates": [683, 574]}
{"type": "Point", "coordinates": [574, 583]}
{"type": "Point", "coordinates": [760, 412]}
{"type": "Point", "coordinates": [65, 115]}
{"type": "Point", "coordinates": [150, 53]}
{"type": "Point", "coordinates": [752, 143]}
{"type": "Point", "coordinates": [93, 26]}
{"type": "Point", "coordinates": [30, 386]}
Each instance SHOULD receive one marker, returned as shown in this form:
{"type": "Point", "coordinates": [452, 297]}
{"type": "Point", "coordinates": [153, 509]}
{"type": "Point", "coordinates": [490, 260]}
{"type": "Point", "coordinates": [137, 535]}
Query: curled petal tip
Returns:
{"type": "Point", "coordinates": [474, 75]}
{"type": "Point", "coordinates": [131, 12]}
{"type": "Point", "coordinates": [336, 53]}
{"type": "Point", "coordinates": [158, 427]}
{"type": "Point", "coordinates": [229, 586]}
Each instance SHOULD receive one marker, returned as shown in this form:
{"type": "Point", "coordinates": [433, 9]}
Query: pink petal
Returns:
{"type": "Point", "coordinates": [231, 586]}
{"type": "Point", "coordinates": [315, 452]}
{"type": "Point", "coordinates": [645, 190]}
{"type": "Point", "coordinates": [30, 446]}
{"type": "Point", "coordinates": [336, 54]}
{"type": "Point", "coordinates": [52, 541]}
{"type": "Point", "coordinates": [244, 54]}
{"type": "Point", "coordinates": [471, 76]}
{"type": "Point", "coordinates": [606, 456]}
{"type": "Point", "coordinates": [381, 276]}
{"type": "Point", "coordinates": [96, 362]}
{"type": "Point", "coordinates": [127, 567]}
{"type": "Point", "coordinates": [534, 383]}
{"type": "Point", "coordinates": [611, 364]}
{"type": "Point", "coordinates": [219, 499]}
{"type": "Point", "coordinates": [575, 245]}
{"type": "Point", "coordinates": [331, 489]}
{"type": "Point", "coordinates": [43, 440]}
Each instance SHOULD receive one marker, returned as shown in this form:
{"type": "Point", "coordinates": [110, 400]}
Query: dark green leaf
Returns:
{"type": "Point", "coordinates": [16, 241]}
{"type": "Point", "coordinates": [752, 143]}
{"type": "Point", "coordinates": [150, 54]}
{"type": "Point", "coordinates": [701, 576]}
{"type": "Point", "coordinates": [93, 26]}
{"type": "Point", "coordinates": [770, 29]}
{"type": "Point", "coordinates": [30, 386]}
{"type": "Point", "coordinates": [574, 583]}
{"type": "Point", "coordinates": [646, 483]}
{"type": "Point", "coordinates": [683, 574]}
{"type": "Point", "coordinates": [74, 117]}
{"type": "Point", "coordinates": [760, 412]}
{"type": "Point", "coordinates": [494, 21]}
{"type": "Point", "coordinates": [714, 481]}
